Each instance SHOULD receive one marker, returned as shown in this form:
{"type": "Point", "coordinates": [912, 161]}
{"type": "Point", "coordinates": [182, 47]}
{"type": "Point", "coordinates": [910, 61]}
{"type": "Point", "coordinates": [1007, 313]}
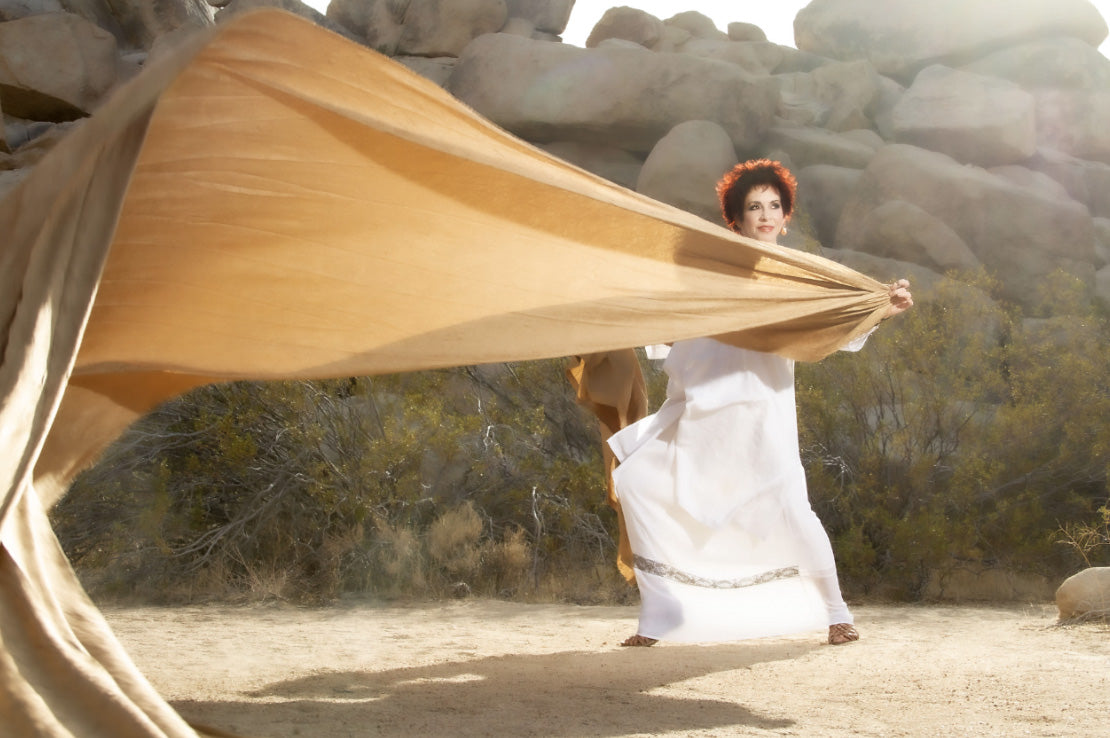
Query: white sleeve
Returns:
{"type": "Point", "coordinates": [857, 344]}
{"type": "Point", "coordinates": [657, 351]}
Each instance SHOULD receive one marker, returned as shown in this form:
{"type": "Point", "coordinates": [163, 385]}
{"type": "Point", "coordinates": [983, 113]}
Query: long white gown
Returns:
{"type": "Point", "coordinates": [725, 543]}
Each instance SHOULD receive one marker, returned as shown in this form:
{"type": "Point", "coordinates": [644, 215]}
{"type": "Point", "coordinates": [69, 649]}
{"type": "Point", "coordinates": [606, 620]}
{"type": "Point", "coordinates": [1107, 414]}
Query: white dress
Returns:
{"type": "Point", "coordinates": [725, 544]}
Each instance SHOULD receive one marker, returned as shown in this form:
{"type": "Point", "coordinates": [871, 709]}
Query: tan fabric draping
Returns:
{"type": "Point", "coordinates": [611, 385]}
{"type": "Point", "coordinates": [273, 201]}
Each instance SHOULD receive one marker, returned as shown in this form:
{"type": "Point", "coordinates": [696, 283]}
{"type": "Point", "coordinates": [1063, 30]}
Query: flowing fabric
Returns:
{"type": "Point", "coordinates": [273, 201]}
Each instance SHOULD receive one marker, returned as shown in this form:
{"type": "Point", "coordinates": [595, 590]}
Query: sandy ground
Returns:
{"type": "Point", "coordinates": [481, 668]}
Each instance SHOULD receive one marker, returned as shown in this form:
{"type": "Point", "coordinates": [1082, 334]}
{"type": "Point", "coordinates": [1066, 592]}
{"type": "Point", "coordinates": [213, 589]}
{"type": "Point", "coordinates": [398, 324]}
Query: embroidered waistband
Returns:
{"type": "Point", "coordinates": [666, 571]}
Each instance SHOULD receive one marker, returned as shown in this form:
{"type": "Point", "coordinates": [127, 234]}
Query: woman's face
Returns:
{"type": "Point", "coordinates": [763, 216]}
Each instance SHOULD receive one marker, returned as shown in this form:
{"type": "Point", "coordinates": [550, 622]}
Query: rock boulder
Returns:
{"type": "Point", "coordinates": [16, 9]}
{"type": "Point", "coordinates": [55, 66]}
{"type": "Point", "coordinates": [137, 23]}
{"type": "Point", "coordinates": [1019, 232]}
{"type": "Point", "coordinates": [614, 96]}
{"type": "Point", "coordinates": [431, 28]}
{"type": "Point", "coordinates": [757, 57]}
{"type": "Point", "coordinates": [697, 25]}
{"type": "Point", "coordinates": [436, 69]}
{"type": "Point", "coordinates": [615, 165]}
{"type": "Point", "coordinates": [1075, 121]}
{"type": "Point", "coordinates": [1025, 177]}
{"type": "Point", "coordinates": [822, 191]}
{"type": "Point", "coordinates": [377, 22]}
{"type": "Point", "coordinates": [1086, 181]}
{"type": "Point", "coordinates": [850, 91]}
{"type": "Point", "coordinates": [1058, 63]}
{"type": "Point", "coordinates": [547, 16]}
{"type": "Point", "coordinates": [1085, 594]}
{"type": "Point", "coordinates": [1102, 241]}
{"type": "Point", "coordinates": [972, 118]}
{"type": "Point", "coordinates": [630, 24]}
{"type": "Point", "coordinates": [684, 167]}
{"type": "Point", "coordinates": [445, 27]}
{"type": "Point", "coordinates": [738, 31]}
{"type": "Point", "coordinates": [901, 230]}
{"type": "Point", "coordinates": [809, 146]}
{"type": "Point", "coordinates": [838, 96]}
{"type": "Point", "coordinates": [922, 279]}
{"type": "Point", "coordinates": [901, 38]}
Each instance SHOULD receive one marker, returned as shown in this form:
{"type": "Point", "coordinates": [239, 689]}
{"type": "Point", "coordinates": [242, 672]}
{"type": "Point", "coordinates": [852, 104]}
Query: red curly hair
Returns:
{"type": "Point", "coordinates": [734, 187]}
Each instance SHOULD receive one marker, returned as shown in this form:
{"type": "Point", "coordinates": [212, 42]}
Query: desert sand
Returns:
{"type": "Point", "coordinates": [487, 668]}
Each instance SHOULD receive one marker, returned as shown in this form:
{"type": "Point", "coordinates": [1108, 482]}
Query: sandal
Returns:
{"type": "Point", "coordinates": [639, 640]}
{"type": "Point", "coordinates": [842, 633]}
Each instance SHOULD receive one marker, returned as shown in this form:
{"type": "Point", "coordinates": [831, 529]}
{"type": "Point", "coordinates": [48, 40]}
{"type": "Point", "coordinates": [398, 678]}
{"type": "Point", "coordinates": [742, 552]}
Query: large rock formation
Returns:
{"type": "Point", "coordinates": [619, 96]}
{"type": "Point", "coordinates": [1022, 233]}
{"type": "Point", "coordinates": [921, 144]}
{"type": "Point", "coordinates": [901, 38]}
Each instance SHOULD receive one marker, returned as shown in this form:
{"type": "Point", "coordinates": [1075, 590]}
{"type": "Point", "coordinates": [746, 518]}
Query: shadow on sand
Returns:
{"type": "Point", "coordinates": [573, 693]}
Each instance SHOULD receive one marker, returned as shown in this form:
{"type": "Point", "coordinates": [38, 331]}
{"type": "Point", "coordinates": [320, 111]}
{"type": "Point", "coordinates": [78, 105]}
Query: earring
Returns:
{"type": "Point", "coordinates": [784, 230]}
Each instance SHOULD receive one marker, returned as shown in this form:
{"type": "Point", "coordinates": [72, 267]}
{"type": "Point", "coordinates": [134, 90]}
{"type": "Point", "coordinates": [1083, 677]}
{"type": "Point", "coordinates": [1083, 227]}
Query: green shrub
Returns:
{"type": "Point", "coordinates": [963, 435]}
{"type": "Point", "coordinates": [406, 485]}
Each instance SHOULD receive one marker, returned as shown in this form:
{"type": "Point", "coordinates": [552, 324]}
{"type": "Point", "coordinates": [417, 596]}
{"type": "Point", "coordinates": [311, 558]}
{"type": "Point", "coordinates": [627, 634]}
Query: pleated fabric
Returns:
{"type": "Point", "coordinates": [725, 544]}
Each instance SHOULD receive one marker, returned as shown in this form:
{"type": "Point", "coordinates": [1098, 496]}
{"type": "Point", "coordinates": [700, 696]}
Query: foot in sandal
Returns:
{"type": "Point", "coordinates": [842, 633]}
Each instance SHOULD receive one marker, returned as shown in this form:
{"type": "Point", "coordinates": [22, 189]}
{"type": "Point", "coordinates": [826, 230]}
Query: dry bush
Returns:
{"type": "Point", "coordinates": [454, 542]}
{"type": "Point", "coordinates": [397, 561]}
{"type": "Point", "coordinates": [259, 583]}
{"type": "Point", "coordinates": [596, 584]}
{"type": "Point", "coordinates": [508, 563]}
{"type": "Point", "coordinates": [1090, 540]}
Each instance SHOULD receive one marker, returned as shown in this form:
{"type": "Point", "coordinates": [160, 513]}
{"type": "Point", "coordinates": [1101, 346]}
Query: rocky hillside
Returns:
{"type": "Point", "coordinates": [921, 145]}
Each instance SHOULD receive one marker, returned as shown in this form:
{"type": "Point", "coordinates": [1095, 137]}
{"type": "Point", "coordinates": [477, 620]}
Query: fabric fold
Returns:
{"type": "Point", "coordinates": [269, 201]}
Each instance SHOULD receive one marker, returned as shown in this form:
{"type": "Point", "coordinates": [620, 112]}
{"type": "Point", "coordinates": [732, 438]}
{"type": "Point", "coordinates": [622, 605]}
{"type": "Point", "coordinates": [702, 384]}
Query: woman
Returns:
{"type": "Point", "coordinates": [725, 543]}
